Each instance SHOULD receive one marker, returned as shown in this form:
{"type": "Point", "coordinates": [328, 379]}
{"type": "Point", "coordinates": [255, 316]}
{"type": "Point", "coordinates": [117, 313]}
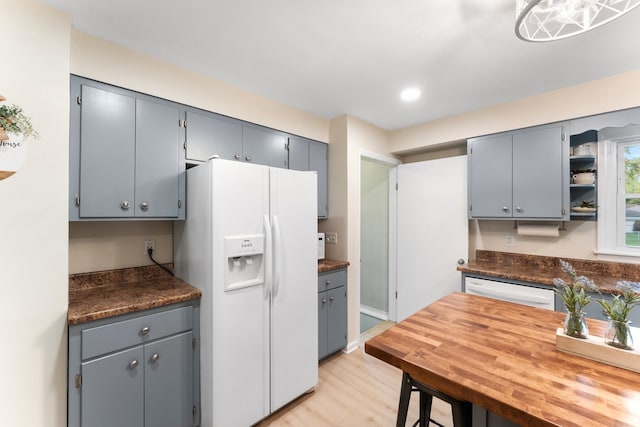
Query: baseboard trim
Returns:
{"type": "Point", "coordinates": [374, 312]}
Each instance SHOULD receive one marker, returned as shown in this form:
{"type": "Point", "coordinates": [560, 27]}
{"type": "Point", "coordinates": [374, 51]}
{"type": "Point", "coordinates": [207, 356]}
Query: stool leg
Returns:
{"type": "Point", "coordinates": [461, 412]}
{"type": "Point", "coordinates": [403, 405]}
{"type": "Point", "coordinates": [425, 408]}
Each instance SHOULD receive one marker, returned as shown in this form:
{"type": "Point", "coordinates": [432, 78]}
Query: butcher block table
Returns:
{"type": "Point", "coordinates": [502, 357]}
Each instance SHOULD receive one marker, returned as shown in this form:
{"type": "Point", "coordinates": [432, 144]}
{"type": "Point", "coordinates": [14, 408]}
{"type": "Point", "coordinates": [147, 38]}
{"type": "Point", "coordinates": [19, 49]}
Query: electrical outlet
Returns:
{"type": "Point", "coordinates": [508, 240]}
{"type": "Point", "coordinates": [149, 244]}
{"type": "Point", "coordinates": [331, 238]}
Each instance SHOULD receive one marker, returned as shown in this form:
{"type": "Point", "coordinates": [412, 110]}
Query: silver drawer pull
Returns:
{"type": "Point", "coordinates": [133, 364]}
{"type": "Point", "coordinates": [327, 283]}
{"type": "Point", "coordinates": [505, 209]}
{"type": "Point", "coordinates": [324, 300]}
{"type": "Point", "coordinates": [247, 158]}
{"type": "Point", "coordinates": [154, 358]}
{"type": "Point", "coordinates": [144, 206]}
{"type": "Point", "coordinates": [144, 331]}
{"type": "Point", "coordinates": [124, 205]}
{"type": "Point", "coordinates": [237, 156]}
{"type": "Point", "coordinates": [331, 298]}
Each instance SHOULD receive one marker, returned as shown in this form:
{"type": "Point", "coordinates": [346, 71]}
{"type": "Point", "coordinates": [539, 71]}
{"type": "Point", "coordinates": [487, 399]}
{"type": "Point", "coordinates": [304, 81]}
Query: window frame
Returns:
{"type": "Point", "coordinates": [611, 191]}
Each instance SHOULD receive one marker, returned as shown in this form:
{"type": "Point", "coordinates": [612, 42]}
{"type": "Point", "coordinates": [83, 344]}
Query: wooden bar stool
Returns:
{"type": "Point", "coordinates": [461, 410]}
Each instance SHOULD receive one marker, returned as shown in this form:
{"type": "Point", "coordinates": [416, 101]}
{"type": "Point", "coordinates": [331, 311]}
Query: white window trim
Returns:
{"type": "Point", "coordinates": [609, 199]}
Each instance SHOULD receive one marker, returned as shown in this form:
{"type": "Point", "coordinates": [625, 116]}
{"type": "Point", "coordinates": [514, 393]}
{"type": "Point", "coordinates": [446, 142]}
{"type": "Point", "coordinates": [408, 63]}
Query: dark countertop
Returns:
{"type": "Point", "coordinates": [325, 265]}
{"type": "Point", "coordinates": [543, 269]}
{"type": "Point", "coordinates": [103, 294]}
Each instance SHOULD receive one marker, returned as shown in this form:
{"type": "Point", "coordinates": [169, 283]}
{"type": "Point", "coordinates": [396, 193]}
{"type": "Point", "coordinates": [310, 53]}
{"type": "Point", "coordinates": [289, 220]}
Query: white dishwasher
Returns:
{"type": "Point", "coordinates": [521, 294]}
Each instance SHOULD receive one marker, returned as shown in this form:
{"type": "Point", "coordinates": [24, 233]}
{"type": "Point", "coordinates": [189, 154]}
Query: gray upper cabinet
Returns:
{"type": "Point", "coordinates": [264, 146]}
{"type": "Point", "coordinates": [318, 162]}
{"type": "Point", "coordinates": [309, 155]}
{"type": "Point", "coordinates": [209, 134]}
{"type": "Point", "coordinates": [519, 175]}
{"type": "Point", "coordinates": [107, 155]}
{"type": "Point", "coordinates": [124, 156]}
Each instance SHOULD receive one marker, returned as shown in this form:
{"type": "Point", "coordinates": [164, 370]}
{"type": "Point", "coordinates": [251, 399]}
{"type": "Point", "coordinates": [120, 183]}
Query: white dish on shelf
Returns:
{"type": "Point", "coordinates": [581, 209]}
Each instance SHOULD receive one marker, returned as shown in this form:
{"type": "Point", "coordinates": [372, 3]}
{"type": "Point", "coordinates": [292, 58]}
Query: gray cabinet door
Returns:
{"type": "Point", "coordinates": [157, 150]}
{"type": "Point", "coordinates": [209, 135]}
{"type": "Point", "coordinates": [264, 147]}
{"type": "Point", "coordinates": [298, 154]}
{"type": "Point", "coordinates": [323, 310]}
{"type": "Point", "coordinates": [169, 382]}
{"type": "Point", "coordinates": [489, 176]}
{"type": "Point", "coordinates": [112, 392]}
{"type": "Point", "coordinates": [318, 162]}
{"type": "Point", "coordinates": [337, 319]}
{"type": "Point", "coordinates": [537, 173]}
{"type": "Point", "coordinates": [107, 155]}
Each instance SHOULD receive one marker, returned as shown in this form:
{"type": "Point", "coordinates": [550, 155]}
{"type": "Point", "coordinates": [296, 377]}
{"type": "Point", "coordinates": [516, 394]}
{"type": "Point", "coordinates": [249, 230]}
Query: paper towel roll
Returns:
{"type": "Point", "coordinates": [538, 230]}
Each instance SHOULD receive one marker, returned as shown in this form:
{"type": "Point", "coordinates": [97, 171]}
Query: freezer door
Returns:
{"type": "Point", "coordinates": [294, 315]}
{"type": "Point", "coordinates": [238, 343]}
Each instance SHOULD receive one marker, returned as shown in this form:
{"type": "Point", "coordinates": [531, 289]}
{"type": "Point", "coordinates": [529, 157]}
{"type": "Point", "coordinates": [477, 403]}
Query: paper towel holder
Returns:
{"type": "Point", "coordinates": [561, 226]}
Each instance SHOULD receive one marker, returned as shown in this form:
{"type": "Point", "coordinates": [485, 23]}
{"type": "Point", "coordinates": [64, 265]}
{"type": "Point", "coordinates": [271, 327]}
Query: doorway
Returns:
{"type": "Point", "coordinates": [375, 239]}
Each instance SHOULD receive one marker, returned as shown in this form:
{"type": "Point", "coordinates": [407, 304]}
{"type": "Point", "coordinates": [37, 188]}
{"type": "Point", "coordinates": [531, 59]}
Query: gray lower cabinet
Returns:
{"type": "Point", "coordinates": [125, 155]}
{"type": "Point", "coordinates": [332, 312]}
{"type": "Point", "coordinates": [519, 175]}
{"type": "Point", "coordinates": [309, 155]}
{"type": "Point", "coordinates": [135, 370]}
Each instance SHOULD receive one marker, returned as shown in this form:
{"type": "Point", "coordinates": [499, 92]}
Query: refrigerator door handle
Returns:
{"type": "Point", "coordinates": [277, 254]}
{"type": "Point", "coordinates": [268, 256]}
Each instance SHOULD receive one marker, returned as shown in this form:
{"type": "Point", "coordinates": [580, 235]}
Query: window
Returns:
{"type": "Point", "coordinates": [619, 192]}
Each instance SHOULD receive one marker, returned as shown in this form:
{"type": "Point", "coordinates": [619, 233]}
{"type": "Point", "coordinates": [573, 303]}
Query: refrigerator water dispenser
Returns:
{"type": "Point", "coordinates": [245, 261]}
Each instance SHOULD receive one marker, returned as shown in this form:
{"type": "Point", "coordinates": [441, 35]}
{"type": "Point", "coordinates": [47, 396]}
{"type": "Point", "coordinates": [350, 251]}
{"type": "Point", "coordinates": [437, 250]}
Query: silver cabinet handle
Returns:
{"type": "Point", "coordinates": [460, 261]}
{"type": "Point", "coordinates": [154, 358]}
{"type": "Point", "coordinates": [124, 205]}
{"type": "Point", "coordinates": [133, 364]}
{"type": "Point", "coordinates": [237, 156]}
{"type": "Point", "coordinates": [324, 300]}
{"type": "Point", "coordinates": [144, 206]}
{"type": "Point", "coordinates": [327, 283]}
{"type": "Point", "coordinates": [145, 330]}
{"type": "Point", "coordinates": [247, 158]}
{"type": "Point", "coordinates": [331, 298]}
{"type": "Point", "coordinates": [518, 209]}
{"type": "Point", "coordinates": [505, 209]}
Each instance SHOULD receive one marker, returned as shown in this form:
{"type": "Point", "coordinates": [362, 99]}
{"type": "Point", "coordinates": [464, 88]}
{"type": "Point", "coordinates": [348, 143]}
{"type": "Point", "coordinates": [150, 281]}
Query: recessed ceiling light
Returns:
{"type": "Point", "coordinates": [410, 94]}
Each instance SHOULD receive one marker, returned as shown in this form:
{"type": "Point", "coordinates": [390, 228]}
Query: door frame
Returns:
{"type": "Point", "coordinates": [392, 162]}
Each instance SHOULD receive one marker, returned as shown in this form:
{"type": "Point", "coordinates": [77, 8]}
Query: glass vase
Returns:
{"type": "Point", "coordinates": [575, 325]}
{"type": "Point", "coordinates": [618, 334]}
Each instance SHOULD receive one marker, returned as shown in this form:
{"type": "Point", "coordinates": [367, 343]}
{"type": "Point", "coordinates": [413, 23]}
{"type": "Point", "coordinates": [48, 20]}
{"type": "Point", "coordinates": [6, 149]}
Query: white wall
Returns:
{"type": "Point", "coordinates": [33, 253]}
{"type": "Point", "coordinates": [599, 96]}
{"type": "Point", "coordinates": [349, 135]}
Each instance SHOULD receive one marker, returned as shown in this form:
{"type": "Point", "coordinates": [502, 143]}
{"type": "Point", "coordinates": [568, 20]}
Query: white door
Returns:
{"type": "Point", "coordinates": [294, 296]}
{"type": "Point", "coordinates": [432, 231]}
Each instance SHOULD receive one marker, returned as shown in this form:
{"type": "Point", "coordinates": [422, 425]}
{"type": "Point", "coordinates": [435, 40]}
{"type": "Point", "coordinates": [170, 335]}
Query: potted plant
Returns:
{"type": "Point", "coordinates": [13, 120]}
{"type": "Point", "coordinates": [575, 297]}
{"type": "Point", "coordinates": [618, 332]}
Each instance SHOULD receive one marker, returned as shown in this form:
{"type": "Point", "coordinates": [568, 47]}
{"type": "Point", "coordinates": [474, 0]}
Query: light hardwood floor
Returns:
{"type": "Point", "coordinates": [354, 390]}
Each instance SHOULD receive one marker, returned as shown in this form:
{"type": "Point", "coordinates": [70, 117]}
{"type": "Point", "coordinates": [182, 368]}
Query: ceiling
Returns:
{"type": "Point", "coordinates": [336, 57]}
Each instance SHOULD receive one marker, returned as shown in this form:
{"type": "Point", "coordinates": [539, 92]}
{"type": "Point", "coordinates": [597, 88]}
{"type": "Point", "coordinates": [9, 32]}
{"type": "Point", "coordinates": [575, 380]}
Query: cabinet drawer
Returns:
{"type": "Point", "coordinates": [332, 280]}
{"type": "Point", "coordinates": [114, 336]}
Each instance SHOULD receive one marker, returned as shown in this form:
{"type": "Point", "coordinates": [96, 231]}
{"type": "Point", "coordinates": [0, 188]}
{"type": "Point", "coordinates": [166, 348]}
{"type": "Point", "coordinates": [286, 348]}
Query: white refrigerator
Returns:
{"type": "Point", "coordinates": [249, 243]}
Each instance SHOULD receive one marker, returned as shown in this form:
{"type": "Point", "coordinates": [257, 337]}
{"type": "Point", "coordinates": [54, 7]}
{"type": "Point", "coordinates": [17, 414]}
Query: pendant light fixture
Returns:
{"type": "Point", "coordinates": [546, 20]}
